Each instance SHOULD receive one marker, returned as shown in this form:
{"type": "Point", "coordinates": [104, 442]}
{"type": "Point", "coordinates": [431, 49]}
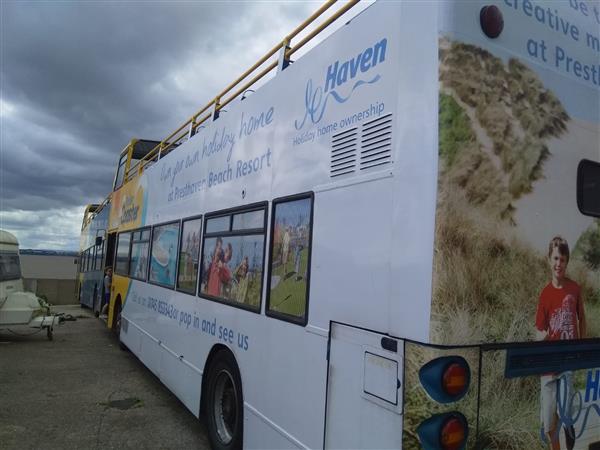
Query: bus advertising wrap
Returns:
{"type": "Point", "coordinates": [515, 260]}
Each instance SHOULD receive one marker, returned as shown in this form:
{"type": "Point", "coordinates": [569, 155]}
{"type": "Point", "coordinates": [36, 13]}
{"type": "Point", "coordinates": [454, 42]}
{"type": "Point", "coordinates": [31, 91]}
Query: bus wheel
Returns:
{"type": "Point", "coordinates": [116, 327]}
{"type": "Point", "coordinates": [116, 322]}
{"type": "Point", "coordinates": [224, 403]}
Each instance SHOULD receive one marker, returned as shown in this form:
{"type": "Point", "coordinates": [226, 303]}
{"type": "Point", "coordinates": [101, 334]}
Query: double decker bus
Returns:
{"type": "Point", "coordinates": [392, 243]}
{"type": "Point", "coordinates": [96, 244]}
{"type": "Point", "coordinates": [92, 258]}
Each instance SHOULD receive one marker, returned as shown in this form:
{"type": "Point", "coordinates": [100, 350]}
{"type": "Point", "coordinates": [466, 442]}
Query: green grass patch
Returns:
{"type": "Point", "coordinates": [455, 128]}
{"type": "Point", "coordinates": [289, 295]}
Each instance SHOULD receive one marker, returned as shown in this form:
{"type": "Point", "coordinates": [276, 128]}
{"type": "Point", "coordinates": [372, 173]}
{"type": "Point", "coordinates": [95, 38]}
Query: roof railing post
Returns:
{"type": "Point", "coordinates": [192, 127]}
{"type": "Point", "coordinates": [284, 61]}
{"type": "Point", "coordinates": [216, 107]}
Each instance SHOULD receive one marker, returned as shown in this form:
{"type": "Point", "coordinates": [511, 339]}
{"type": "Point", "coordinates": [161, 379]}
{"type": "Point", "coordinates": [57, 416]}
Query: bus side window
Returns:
{"type": "Point", "coordinates": [99, 255]}
{"type": "Point", "coordinates": [163, 260]}
{"type": "Point", "coordinates": [120, 175]}
{"type": "Point", "coordinates": [232, 262]}
{"type": "Point", "coordinates": [138, 262]}
{"type": "Point", "coordinates": [87, 260]}
{"type": "Point", "coordinates": [122, 266]}
{"type": "Point", "coordinates": [189, 253]}
{"type": "Point", "coordinates": [289, 271]}
{"type": "Point", "coordinates": [588, 188]}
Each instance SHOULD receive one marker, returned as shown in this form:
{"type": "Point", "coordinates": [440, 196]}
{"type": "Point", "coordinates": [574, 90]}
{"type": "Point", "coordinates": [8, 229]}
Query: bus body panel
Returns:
{"type": "Point", "coordinates": [517, 114]}
{"type": "Point", "coordinates": [395, 223]}
{"type": "Point", "coordinates": [232, 162]}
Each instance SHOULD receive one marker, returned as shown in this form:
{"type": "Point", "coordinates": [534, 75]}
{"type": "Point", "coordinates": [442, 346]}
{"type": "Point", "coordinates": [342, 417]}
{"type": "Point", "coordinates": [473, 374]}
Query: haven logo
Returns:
{"type": "Point", "coordinates": [338, 76]}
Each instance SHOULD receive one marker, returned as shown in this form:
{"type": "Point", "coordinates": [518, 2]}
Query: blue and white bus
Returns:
{"type": "Point", "coordinates": [392, 243]}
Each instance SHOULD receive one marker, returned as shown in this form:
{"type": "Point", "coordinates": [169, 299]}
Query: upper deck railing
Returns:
{"type": "Point", "coordinates": [284, 49]}
{"type": "Point", "coordinates": [240, 85]}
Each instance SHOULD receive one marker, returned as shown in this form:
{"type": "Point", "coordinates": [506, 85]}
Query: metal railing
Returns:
{"type": "Point", "coordinates": [231, 92]}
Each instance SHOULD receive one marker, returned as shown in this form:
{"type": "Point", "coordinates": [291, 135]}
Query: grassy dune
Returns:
{"type": "Point", "coordinates": [512, 109]}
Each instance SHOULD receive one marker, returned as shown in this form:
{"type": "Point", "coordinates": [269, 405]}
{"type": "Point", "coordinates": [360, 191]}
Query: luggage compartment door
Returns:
{"type": "Point", "coordinates": [364, 389]}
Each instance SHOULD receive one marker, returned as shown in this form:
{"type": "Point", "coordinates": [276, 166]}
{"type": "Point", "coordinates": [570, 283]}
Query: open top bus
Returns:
{"type": "Point", "coordinates": [393, 243]}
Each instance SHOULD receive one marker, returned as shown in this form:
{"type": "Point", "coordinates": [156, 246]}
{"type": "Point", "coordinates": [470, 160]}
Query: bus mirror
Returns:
{"type": "Point", "coordinates": [76, 261]}
{"type": "Point", "coordinates": [588, 187]}
{"type": "Point", "coordinates": [98, 240]}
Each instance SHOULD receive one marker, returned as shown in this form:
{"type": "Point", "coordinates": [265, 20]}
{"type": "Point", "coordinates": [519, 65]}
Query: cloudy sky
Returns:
{"type": "Point", "coordinates": [80, 79]}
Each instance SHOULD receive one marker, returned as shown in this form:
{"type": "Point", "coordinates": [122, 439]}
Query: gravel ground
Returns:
{"type": "Point", "coordinates": [80, 391]}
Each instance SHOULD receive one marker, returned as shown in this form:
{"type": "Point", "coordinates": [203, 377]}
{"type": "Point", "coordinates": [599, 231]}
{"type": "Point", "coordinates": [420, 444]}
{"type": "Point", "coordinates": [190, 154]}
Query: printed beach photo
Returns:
{"type": "Point", "coordinates": [163, 261]}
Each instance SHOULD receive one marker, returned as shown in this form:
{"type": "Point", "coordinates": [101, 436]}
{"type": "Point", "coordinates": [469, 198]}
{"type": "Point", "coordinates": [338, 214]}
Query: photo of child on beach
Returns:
{"type": "Point", "coordinates": [560, 316]}
{"type": "Point", "coordinates": [289, 257]}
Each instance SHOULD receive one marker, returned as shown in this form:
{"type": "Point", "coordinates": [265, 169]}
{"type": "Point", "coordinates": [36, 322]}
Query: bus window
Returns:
{"type": "Point", "coordinates": [588, 188]}
{"type": "Point", "coordinates": [87, 260]}
{"type": "Point", "coordinates": [189, 251]}
{"type": "Point", "coordinates": [138, 264]}
{"type": "Point", "coordinates": [290, 259]}
{"type": "Point", "coordinates": [217, 224]}
{"type": "Point", "coordinates": [233, 258]}
{"type": "Point", "coordinates": [248, 220]}
{"type": "Point", "coordinates": [163, 263]}
{"type": "Point", "coordinates": [99, 255]}
{"type": "Point", "coordinates": [122, 265]}
{"type": "Point", "coordinates": [120, 172]}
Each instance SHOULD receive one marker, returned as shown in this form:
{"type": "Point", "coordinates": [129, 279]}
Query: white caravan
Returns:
{"type": "Point", "coordinates": [17, 307]}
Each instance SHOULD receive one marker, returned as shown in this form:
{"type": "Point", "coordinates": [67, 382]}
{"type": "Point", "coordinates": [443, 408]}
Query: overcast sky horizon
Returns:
{"type": "Point", "coordinates": [80, 79]}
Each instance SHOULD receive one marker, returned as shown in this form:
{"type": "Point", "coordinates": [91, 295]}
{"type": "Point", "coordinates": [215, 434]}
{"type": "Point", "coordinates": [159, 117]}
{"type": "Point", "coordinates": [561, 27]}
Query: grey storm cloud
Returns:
{"type": "Point", "coordinates": [80, 79]}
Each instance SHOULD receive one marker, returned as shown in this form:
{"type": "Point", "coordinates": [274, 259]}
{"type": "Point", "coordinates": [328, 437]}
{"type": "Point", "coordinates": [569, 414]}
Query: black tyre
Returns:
{"type": "Point", "coordinates": [116, 327]}
{"type": "Point", "coordinates": [116, 320]}
{"type": "Point", "coordinates": [224, 405]}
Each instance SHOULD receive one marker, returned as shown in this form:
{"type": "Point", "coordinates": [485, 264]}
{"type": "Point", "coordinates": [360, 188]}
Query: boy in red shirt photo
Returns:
{"type": "Point", "coordinates": [560, 316]}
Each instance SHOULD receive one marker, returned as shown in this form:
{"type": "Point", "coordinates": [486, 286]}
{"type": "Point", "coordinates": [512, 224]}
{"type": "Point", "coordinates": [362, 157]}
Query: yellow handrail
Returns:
{"type": "Point", "coordinates": [218, 103]}
{"type": "Point", "coordinates": [321, 27]}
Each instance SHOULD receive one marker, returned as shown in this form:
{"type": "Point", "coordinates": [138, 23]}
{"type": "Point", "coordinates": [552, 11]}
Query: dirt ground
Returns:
{"type": "Point", "coordinates": [80, 391]}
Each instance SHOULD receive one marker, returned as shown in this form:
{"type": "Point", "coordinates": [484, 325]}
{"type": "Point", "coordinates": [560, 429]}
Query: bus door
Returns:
{"type": "Point", "coordinates": [109, 259]}
{"type": "Point", "coordinates": [110, 249]}
{"type": "Point", "coordinates": [364, 389]}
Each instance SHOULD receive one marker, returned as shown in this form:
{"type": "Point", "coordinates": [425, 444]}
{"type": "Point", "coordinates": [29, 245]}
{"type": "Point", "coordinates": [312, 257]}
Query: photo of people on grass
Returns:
{"type": "Point", "coordinates": [289, 258]}
{"type": "Point", "coordinates": [232, 268]}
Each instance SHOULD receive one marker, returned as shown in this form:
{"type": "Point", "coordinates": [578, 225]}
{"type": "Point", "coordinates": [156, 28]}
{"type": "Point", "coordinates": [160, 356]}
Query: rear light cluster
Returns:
{"type": "Point", "coordinates": [446, 380]}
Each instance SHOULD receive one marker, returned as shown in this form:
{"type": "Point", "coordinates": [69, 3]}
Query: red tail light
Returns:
{"type": "Point", "coordinates": [453, 434]}
{"type": "Point", "coordinates": [455, 379]}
